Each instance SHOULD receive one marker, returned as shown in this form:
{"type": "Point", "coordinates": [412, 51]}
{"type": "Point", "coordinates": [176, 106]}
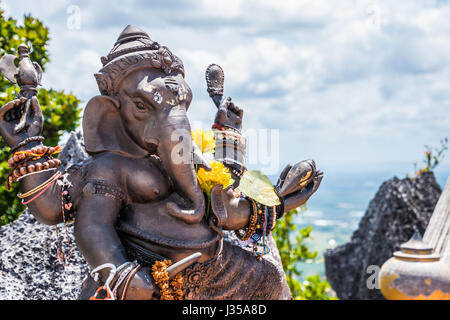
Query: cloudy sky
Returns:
{"type": "Point", "coordinates": [356, 85]}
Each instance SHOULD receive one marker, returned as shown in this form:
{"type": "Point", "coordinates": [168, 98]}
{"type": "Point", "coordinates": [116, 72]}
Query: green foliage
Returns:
{"type": "Point", "coordinates": [292, 252]}
{"type": "Point", "coordinates": [61, 111]}
{"type": "Point", "coordinates": [314, 288]}
{"type": "Point", "coordinates": [433, 156]}
{"type": "Point", "coordinates": [33, 33]}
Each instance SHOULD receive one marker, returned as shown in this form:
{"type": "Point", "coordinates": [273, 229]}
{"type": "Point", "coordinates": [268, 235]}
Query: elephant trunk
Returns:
{"type": "Point", "coordinates": [175, 151]}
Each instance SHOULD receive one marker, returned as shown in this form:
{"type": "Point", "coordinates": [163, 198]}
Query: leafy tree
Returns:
{"type": "Point", "coordinates": [61, 111]}
{"type": "Point", "coordinates": [293, 252]}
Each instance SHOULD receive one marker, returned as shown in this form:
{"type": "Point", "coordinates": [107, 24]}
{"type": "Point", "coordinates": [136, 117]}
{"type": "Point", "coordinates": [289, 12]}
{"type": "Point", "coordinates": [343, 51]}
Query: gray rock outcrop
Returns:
{"type": "Point", "coordinates": [29, 267]}
{"type": "Point", "coordinates": [73, 152]}
{"type": "Point", "coordinates": [400, 207]}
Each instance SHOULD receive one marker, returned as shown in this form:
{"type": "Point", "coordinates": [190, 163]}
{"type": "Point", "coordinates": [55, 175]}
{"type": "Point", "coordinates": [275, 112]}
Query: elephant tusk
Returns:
{"type": "Point", "coordinates": [199, 159]}
{"type": "Point", "coordinates": [182, 264]}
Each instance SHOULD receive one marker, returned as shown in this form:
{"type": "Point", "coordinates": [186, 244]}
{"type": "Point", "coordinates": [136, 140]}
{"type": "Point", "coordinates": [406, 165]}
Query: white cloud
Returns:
{"type": "Point", "coordinates": [345, 81]}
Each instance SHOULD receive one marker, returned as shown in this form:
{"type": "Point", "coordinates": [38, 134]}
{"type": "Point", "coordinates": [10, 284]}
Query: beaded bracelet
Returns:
{"type": "Point", "coordinates": [261, 222]}
{"type": "Point", "coordinates": [252, 222]}
{"type": "Point", "coordinates": [33, 154]}
{"type": "Point", "coordinates": [218, 127]}
{"type": "Point", "coordinates": [238, 171]}
{"type": "Point", "coordinates": [262, 234]}
{"type": "Point", "coordinates": [272, 220]}
{"type": "Point", "coordinates": [27, 141]}
{"type": "Point", "coordinates": [261, 214]}
{"type": "Point", "coordinates": [226, 128]}
{"type": "Point", "coordinates": [280, 207]}
{"type": "Point", "coordinates": [23, 169]}
{"type": "Point", "coordinates": [274, 217]}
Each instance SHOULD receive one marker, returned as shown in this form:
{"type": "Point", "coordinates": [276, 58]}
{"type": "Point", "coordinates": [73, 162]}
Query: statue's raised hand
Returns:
{"type": "Point", "coordinates": [298, 183]}
{"type": "Point", "coordinates": [229, 115]}
{"type": "Point", "coordinates": [20, 119]}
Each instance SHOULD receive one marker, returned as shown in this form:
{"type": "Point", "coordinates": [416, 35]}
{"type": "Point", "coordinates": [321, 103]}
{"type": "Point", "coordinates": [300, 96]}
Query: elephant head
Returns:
{"type": "Point", "coordinates": [143, 111]}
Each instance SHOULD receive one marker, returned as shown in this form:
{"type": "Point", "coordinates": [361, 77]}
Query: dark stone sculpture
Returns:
{"type": "Point", "coordinates": [29, 268]}
{"type": "Point", "coordinates": [137, 197]}
{"type": "Point", "coordinates": [400, 208]}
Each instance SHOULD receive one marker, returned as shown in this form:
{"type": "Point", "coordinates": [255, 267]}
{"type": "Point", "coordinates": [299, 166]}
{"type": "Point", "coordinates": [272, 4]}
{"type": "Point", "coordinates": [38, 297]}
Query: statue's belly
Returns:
{"type": "Point", "coordinates": [153, 228]}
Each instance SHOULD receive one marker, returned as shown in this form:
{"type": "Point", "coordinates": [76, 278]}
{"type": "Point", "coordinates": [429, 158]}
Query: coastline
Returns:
{"type": "Point", "coordinates": [335, 212]}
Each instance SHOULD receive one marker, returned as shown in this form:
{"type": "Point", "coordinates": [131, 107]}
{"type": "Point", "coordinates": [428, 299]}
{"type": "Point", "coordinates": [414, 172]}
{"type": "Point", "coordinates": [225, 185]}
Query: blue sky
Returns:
{"type": "Point", "coordinates": [355, 85]}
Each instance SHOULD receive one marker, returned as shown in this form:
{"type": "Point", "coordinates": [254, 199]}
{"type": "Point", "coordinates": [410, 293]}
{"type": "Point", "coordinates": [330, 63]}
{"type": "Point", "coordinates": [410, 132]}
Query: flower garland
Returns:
{"type": "Point", "coordinates": [159, 273]}
{"type": "Point", "coordinates": [204, 140]}
{"type": "Point", "coordinates": [219, 174]}
{"type": "Point", "coordinates": [254, 185]}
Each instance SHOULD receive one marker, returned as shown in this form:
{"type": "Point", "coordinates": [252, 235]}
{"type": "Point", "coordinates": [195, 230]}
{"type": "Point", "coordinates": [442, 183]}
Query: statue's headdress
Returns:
{"type": "Point", "coordinates": [133, 50]}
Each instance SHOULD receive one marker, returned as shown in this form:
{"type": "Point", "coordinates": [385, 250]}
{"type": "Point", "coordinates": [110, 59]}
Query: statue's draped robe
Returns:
{"type": "Point", "coordinates": [234, 274]}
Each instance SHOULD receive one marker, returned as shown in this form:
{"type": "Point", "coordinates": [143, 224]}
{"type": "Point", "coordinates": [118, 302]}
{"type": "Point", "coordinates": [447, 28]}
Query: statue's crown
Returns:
{"type": "Point", "coordinates": [133, 50]}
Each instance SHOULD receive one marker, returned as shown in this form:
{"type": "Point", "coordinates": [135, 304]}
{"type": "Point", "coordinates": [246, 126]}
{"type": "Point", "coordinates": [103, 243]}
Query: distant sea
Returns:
{"type": "Point", "coordinates": [335, 210]}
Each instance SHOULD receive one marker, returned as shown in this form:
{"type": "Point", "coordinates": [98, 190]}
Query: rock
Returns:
{"type": "Point", "coordinates": [29, 267]}
{"type": "Point", "coordinates": [400, 207]}
{"type": "Point", "coordinates": [73, 152]}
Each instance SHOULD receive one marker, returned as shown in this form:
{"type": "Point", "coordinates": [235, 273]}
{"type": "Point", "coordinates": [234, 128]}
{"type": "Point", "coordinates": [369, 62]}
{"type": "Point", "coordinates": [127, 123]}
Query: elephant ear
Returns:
{"type": "Point", "coordinates": [104, 131]}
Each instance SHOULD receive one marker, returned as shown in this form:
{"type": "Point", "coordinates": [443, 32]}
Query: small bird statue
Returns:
{"type": "Point", "coordinates": [27, 75]}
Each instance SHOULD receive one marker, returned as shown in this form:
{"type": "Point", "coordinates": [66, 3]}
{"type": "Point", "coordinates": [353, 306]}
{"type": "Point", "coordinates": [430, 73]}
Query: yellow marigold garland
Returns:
{"type": "Point", "coordinates": [204, 140]}
{"type": "Point", "coordinates": [159, 273]}
{"type": "Point", "coordinates": [219, 174]}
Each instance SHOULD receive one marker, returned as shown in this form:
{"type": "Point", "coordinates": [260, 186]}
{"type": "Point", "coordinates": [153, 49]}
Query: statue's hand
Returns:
{"type": "Point", "coordinates": [20, 119]}
{"type": "Point", "coordinates": [296, 199]}
{"type": "Point", "coordinates": [229, 115]}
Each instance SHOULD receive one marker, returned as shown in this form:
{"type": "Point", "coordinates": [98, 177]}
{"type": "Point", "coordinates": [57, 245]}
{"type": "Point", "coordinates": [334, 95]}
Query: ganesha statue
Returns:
{"type": "Point", "coordinates": [150, 206]}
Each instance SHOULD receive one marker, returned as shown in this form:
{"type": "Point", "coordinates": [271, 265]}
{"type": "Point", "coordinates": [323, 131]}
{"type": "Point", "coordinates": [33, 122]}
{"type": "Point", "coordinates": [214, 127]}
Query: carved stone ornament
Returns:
{"type": "Point", "coordinates": [133, 50]}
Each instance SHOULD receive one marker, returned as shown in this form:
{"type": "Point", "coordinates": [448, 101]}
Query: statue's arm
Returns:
{"type": "Point", "coordinates": [238, 208]}
{"type": "Point", "coordinates": [94, 230]}
{"type": "Point", "coordinates": [231, 150]}
{"type": "Point", "coordinates": [46, 208]}
{"type": "Point", "coordinates": [96, 237]}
